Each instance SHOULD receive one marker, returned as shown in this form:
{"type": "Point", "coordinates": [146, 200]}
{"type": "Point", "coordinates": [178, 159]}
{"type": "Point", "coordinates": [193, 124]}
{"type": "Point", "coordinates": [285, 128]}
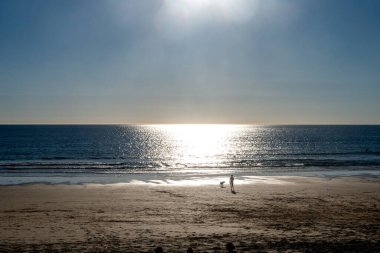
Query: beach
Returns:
{"type": "Point", "coordinates": [295, 214]}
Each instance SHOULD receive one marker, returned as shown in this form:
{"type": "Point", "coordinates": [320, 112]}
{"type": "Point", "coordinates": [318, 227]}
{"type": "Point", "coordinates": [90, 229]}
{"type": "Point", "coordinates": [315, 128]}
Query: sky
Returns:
{"type": "Point", "coordinates": [190, 61]}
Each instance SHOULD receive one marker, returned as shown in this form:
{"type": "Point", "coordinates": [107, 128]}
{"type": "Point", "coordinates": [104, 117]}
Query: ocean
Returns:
{"type": "Point", "coordinates": [76, 154]}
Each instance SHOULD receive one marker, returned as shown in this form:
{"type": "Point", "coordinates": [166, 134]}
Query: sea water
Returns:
{"type": "Point", "coordinates": [178, 153]}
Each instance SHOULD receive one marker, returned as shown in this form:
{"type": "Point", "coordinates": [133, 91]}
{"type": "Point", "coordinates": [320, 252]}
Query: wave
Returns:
{"type": "Point", "coordinates": [34, 157]}
{"type": "Point", "coordinates": [157, 165]}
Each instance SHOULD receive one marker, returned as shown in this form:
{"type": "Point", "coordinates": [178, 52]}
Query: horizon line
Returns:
{"type": "Point", "coordinates": [147, 124]}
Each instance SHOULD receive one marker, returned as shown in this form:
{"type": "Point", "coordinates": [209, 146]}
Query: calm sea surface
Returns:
{"type": "Point", "coordinates": [125, 153]}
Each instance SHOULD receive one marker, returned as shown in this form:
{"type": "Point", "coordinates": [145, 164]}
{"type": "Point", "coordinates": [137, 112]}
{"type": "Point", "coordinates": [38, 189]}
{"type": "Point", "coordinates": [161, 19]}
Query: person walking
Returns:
{"type": "Point", "coordinates": [232, 183]}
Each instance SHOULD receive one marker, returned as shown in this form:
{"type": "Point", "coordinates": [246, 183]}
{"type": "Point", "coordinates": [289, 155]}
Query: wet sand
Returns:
{"type": "Point", "coordinates": [294, 214]}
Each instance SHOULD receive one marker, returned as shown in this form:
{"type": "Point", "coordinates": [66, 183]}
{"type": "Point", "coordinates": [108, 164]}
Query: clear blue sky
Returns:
{"type": "Point", "coordinates": [190, 61]}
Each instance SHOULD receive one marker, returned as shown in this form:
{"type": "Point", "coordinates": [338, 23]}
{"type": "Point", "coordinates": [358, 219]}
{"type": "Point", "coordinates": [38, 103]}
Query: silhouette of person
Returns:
{"type": "Point", "coordinates": [232, 183]}
{"type": "Point", "coordinates": [159, 250]}
{"type": "Point", "coordinates": [230, 247]}
{"type": "Point", "coordinates": [190, 250]}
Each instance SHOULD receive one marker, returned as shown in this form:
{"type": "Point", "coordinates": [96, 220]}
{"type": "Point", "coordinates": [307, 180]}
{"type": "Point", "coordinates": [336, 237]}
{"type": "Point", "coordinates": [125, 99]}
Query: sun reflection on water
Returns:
{"type": "Point", "coordinates": [200, 144]}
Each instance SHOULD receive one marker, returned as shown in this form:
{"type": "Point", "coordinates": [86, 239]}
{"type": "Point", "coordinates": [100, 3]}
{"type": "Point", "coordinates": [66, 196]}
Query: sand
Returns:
{"type": "Point", "coordinates": [293, 214]}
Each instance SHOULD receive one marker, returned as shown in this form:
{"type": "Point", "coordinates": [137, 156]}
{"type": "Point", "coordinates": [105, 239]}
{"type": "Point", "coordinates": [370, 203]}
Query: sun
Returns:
{"type": "Point", "coordinates": [194, 13]}
{"type": "Point", "coordinates": [207, 7]}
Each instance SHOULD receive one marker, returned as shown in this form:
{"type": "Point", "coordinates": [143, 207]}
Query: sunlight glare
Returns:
{"type": "Point", "coordinates": [227, 9]}
{"type": "Point", "coordinates": [186, 15]}
{"type": "Point", "coordinates": [201, 144]}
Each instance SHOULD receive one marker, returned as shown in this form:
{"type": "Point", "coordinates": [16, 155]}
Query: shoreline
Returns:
{"type": "Point", "coordinates": [299, 214]}
{"type": "Point", "coordinates": [56, 178]}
